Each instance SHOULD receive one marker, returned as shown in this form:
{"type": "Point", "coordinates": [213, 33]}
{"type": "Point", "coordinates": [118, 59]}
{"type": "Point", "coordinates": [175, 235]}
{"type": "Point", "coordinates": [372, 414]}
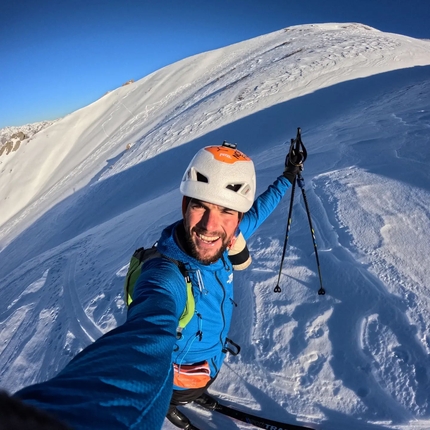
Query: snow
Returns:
{"type": "Point", "coordinates": [84, 192]}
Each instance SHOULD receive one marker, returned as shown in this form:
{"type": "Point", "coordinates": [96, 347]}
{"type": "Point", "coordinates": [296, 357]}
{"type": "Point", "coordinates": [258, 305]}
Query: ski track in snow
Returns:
{"type": "Point", "coordinates": [356, 358]}
{"type": "Point", "coordinates": [76, 312]}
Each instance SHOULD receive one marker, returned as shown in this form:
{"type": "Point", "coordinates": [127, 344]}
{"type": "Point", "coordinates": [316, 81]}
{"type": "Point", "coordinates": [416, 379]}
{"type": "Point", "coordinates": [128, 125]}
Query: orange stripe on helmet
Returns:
{"type": "Point", "coordinates": [227, 155]}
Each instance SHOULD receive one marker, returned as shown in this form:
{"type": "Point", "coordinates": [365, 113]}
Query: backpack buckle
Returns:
{"type": "Point", "coordinates": [232, 347]}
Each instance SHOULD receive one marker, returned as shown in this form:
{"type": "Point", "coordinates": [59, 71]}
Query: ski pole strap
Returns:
{"type": "Point", "coordinates": [298, 151]}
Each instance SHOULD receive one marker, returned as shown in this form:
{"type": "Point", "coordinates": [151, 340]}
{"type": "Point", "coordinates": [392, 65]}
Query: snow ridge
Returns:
{"type": "Point", "coordinates": [102, 181]}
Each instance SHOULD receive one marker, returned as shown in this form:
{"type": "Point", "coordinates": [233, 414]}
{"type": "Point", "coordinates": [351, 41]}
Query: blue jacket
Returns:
{"type": "Point", "coordinates": [124, 379]}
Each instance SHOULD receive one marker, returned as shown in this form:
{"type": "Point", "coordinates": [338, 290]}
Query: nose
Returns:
{"type": "Point", "coordinates": [210, 220]}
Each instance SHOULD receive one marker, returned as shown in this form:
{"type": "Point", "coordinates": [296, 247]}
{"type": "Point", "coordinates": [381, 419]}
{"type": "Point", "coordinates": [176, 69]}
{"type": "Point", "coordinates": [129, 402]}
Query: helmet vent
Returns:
{"type": "Point", "coordinates": [234, 187]}
{"type": "Point", "coordinates": [201, 178]}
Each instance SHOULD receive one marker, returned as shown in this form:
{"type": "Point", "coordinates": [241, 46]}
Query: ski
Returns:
{"type": "Point", "coordinates": [212, 404]}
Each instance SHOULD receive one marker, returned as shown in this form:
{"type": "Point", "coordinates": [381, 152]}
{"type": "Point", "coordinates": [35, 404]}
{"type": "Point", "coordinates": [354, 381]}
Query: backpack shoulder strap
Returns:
{"type": "Point", "coordinates": [190, 304]}
{"type": "Point", "coordinates": [139, 257]}
{"type": "Point", "coordinates": [135, 269]}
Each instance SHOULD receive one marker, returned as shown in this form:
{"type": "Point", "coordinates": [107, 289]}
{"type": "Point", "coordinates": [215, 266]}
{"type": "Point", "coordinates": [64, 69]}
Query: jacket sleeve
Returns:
{"type": "Point", "coordinates": [263, 206]}
{"type": "Point", "coordinates": [124, 379]}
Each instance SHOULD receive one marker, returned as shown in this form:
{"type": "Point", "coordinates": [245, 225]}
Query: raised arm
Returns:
{"type": "Point", "coordinates": [266, 203]}
{"type": "Point", "coordinates": [263, 206]}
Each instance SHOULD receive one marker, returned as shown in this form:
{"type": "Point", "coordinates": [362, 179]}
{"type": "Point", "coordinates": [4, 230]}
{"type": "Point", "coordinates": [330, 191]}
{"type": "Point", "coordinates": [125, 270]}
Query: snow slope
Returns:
{"type": "Point", "coordinates": [79, 197]}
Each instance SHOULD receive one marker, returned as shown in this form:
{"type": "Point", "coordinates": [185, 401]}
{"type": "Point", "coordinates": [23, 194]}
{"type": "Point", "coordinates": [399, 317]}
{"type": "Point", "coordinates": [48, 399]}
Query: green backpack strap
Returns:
{"type": "Point", "coordinates": [135, 269]}
{"type": "Point", "coordinates": [190, 305]}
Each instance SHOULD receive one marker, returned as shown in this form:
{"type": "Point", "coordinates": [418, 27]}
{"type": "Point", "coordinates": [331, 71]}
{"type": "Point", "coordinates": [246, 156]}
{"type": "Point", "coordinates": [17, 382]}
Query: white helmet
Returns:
{"type": "Point", "coordinates": [221, 175]}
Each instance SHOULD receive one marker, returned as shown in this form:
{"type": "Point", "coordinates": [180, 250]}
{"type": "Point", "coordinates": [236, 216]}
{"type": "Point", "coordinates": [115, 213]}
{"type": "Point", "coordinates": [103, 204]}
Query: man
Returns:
{"type": "Point", "coordinates": [124, 380]}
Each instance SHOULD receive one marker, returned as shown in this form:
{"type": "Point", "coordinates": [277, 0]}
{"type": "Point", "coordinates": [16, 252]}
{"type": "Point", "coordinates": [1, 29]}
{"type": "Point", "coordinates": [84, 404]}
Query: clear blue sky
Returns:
{"type": "Point", "coordinates": [57, 56]}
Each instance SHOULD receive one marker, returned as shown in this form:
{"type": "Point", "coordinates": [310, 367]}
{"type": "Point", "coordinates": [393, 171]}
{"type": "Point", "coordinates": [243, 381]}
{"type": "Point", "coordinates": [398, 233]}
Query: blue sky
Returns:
{"type": "Point", "coordinates": [58, 56]}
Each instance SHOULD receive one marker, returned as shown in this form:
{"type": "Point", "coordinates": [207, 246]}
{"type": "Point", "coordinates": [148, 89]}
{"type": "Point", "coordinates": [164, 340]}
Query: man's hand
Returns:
{"type": "Point", "coordinates": [293, 165]}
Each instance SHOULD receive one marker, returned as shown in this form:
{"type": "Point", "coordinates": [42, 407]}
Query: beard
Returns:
{"type": "Point", "coordinates": [194, 251]}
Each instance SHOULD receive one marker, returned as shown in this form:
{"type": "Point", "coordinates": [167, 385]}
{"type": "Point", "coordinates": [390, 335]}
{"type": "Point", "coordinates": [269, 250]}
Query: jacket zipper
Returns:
{"type": "Point", "coordinates": [222, 310]}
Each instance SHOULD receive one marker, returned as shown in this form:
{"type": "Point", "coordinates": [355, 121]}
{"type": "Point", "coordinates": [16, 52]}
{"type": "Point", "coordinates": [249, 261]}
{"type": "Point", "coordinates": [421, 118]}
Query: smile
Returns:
{"type": "Point", "coordinates": [207, 239]}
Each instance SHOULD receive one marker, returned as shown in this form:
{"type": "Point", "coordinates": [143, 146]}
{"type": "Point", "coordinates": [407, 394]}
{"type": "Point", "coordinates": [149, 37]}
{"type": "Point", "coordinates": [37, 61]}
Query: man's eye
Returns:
{"type": "Point", "coordinates": [197, 206]}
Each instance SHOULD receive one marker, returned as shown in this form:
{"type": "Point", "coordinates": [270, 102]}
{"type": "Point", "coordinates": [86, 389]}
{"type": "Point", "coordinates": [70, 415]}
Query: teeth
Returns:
{"type": "Point", "coordinates": [208, 238]}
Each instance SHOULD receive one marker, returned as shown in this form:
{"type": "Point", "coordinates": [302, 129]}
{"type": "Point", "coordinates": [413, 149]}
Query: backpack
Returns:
{"type": "Point", "coordinates": [142, 255]}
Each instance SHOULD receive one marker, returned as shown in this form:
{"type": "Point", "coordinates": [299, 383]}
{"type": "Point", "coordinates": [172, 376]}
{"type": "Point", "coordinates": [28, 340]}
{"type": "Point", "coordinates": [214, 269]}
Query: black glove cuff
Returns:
{"type": "Point", "coordinates": [290, 176]}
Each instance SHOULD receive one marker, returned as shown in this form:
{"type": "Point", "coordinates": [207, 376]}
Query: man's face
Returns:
{"type": "Point", "coordinates": [209, 229]}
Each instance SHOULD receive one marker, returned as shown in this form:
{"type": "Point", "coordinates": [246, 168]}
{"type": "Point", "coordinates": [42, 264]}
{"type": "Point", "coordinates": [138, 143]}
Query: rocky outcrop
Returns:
{"type": "Point", "coordinates": [12, 137]}
{"type": "Point", "coordinates": [13, 144]}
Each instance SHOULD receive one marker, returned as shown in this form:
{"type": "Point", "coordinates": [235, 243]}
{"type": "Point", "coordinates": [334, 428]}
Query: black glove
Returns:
{"type": "Point", "coordinates": [293, 165]}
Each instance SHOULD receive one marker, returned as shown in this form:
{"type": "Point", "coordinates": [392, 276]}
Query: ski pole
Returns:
{"type": "Point", "coordinates": [301, 183]}
{"type": "Point", "coordinates": [290, 215]}
{"type": "Point", "coordinates": [297, 149]}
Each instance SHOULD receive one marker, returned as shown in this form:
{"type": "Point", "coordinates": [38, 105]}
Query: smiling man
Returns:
{"type": "Point", "coordinates": [133, 375]}
{"type": "Point", "coordinates": [218, 206]}
{"type": "Point", "coordinates": [218, 187]}
{"type": "Point", "coordinates": [209, 230]}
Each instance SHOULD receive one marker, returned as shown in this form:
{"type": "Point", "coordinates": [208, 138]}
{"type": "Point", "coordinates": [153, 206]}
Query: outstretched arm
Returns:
{"type": "Point", "coordinates": [124, 379]}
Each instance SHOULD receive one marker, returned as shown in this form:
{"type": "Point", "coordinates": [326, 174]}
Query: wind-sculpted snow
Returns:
{"type": "Point", "coordinates": [190, 98]}
{"type": "Point", "coordinates": [388, 347]}
{"type": "Point", "coordinates": [104, 181]}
